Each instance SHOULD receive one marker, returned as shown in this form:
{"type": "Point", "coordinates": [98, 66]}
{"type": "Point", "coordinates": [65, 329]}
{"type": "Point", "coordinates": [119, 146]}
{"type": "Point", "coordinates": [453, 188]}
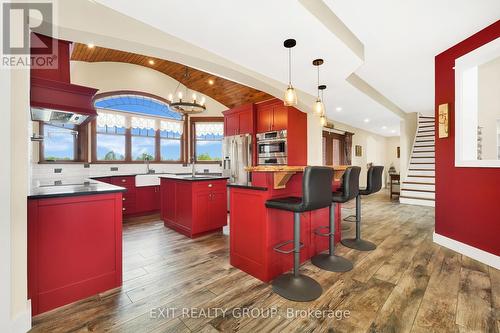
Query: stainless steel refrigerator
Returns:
{"type": "Point", "coordinates": [237, 154]}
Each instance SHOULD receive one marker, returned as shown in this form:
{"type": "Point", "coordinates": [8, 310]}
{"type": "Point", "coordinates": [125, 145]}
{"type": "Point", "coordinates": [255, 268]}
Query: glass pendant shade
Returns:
{"type": "Point", "coordinates": [290, 96]}
{"type": "Point", "coordinates": [319, 107]}
{"type": "Point", "coordinates": [322, 120]}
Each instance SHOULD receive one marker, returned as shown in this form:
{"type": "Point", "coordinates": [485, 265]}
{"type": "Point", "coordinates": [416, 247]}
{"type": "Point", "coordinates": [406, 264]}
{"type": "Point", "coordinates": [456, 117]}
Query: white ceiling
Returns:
{"type": "Point", "coordinates": [401, 39]}
{"type": "Point", "coordinates": [251, 33]}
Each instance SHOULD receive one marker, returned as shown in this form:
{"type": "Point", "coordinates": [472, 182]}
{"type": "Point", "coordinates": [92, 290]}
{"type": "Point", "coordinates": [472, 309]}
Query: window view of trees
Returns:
{"type": "Point", "coordinates": [208, 141]}
{"type": "Point", "coordinates": [59, 142]}
{"type": "Point", "coordinates": [110, 143]}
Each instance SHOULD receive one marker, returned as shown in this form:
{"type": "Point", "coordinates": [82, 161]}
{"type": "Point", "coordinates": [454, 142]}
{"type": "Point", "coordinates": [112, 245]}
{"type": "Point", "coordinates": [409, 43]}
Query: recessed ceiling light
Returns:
{"type": "Point", "coordinates": [393, 131]}
{"type": "Point", "coordinates": [151, 62]}
{"type": "Point", "coordinates": [338, 108]}
{"type": "Point", "coordinates": [211, 82]}
{"type": "Point", "coordinates": [90, 45]}
{"type": "Point", "coordinates": [367, 120]}
{"type": "Point", "coordinates": [384, 127]}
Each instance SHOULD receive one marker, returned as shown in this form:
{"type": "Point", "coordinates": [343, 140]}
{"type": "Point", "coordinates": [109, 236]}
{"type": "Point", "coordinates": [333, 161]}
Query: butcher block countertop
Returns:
{"type": "Point", "coordinates": [288, 168]}
{"type": "Point", "coordinates": [283, 173]}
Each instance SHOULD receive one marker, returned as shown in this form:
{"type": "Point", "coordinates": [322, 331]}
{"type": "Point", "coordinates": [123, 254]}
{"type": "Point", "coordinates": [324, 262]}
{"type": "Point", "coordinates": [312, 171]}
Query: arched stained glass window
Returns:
{"type": "Point", "coordinates": [155, 131]}
{"type": "Point", "coordinates": [139, 104]}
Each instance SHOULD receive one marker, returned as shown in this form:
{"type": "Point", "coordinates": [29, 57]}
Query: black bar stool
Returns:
{"type": "Point", "coordinates": [316, 194]}
{"type": "Point", "coordinates": [329, 261]}
{"type": "Point", "coordinates": [373, 184]}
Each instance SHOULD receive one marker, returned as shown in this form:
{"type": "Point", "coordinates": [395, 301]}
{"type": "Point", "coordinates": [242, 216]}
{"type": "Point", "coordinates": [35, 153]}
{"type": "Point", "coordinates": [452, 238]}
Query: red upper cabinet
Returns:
{"type": "Point", "coordinates": [280, 118]}
{"type": "Point", "coordinates": [231, 124]}
{"type": "Point", "coordinates": [239, 120]}
{"type": "Point", "coordinates": [264, 119]}
{"type": "Point", "coordinates": [272, 116]}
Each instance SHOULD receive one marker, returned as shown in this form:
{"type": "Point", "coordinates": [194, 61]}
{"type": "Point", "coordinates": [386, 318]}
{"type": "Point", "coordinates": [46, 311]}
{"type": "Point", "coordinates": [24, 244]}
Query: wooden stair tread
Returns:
{"type": "Point", "coordinates": [425, 191]}
{"type": "Point", "coordinates": [407, 197]}
{"type": "Point", "coordinates": [425, 176]}
{"type": "Point", "coordinates": [418, 183]}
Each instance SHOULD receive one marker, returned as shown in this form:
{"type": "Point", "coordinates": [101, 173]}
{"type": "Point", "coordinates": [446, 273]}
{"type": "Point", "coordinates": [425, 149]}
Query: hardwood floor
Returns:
{"type": "Point", "coordinates": [408, 284]}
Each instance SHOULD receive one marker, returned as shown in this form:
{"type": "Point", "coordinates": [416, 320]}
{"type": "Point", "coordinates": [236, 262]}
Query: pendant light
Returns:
{"type": "Point", "coordinates": [322, 118]}
{"type": "Point", "coordinates": [290, 94]}
{"type": "Point", "coordinates": [318, 107]}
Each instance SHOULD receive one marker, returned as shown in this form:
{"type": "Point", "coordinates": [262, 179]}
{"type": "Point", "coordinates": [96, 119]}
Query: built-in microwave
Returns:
{"type": "Point", "coordinates": [272, 147]}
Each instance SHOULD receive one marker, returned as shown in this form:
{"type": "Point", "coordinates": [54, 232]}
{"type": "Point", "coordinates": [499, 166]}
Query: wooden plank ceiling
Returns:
{"type": "Point", "coordinates": [226, 92]}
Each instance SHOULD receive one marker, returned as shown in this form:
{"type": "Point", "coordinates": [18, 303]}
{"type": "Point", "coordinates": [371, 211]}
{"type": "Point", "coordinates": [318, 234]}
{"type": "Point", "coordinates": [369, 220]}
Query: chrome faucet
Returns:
{"type": "Point", "coordinates": [148, 170]}
{"type": "Point", "coordinates": [193, 169]}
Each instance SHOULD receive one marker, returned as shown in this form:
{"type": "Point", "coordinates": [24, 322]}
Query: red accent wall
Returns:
{"type": "Point", "coordinates": [467, 199]}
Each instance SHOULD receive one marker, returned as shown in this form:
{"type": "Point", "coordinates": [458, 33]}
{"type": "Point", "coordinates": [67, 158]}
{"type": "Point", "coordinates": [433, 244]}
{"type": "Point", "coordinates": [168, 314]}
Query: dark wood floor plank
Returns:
{"type": "Point", "coordinates": [399, 311]}
{"type": "Point", "coordinates": [438, 308]}
{"type": "Point", "coordinates": [474, 308]}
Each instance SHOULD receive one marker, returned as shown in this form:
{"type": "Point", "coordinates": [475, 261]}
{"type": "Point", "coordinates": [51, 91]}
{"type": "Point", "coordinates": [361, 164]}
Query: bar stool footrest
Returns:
{"type": "Point", "coordinates": [351, 218]}
{"type": "Point", "coordinates": [317, 231]}
{"type": "Point", "coordinates": [278, 247]}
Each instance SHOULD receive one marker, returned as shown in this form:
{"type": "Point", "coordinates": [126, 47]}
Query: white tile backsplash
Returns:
{"type": "Point", "coordinates": [44, 173]}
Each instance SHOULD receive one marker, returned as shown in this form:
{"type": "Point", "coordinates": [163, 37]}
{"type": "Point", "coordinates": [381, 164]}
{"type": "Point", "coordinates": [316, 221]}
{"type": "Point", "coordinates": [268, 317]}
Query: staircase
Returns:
{"type": "Point", "coordinates": [419, 186]}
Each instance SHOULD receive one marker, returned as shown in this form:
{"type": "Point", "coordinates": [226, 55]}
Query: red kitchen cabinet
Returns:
{"type": "Point", "coordinates": [74, 248]}
{"type": "Point", "coordinates": [246, 121]}
{"type": "Point", "coordinates": [147, 199]}
{"type": "Point", "coordinates": [264, 118]}
{"type": "Point", "coordinates": [167, 201]}
{"type": "Point", "coordinates": [193, 208]}
{"type": "Point", "coordinates": [231, 124]}
{"type": "Point", "coordinates": [280, 118]}
{"type": "Point", "coordinates": [272, 115]}
{"type": "Point", "coordinates": [239, 120]}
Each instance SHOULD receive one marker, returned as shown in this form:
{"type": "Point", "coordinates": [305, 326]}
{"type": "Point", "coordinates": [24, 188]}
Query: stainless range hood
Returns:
{"type": "Point", "coordinates": [57, 116]}
{"type": "Point", "coordinates": [61, 102]}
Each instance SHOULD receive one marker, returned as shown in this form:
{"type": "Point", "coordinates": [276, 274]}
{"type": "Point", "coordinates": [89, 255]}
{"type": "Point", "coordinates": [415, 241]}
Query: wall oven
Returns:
{"type": "Point", "coordinates": [272, 148]}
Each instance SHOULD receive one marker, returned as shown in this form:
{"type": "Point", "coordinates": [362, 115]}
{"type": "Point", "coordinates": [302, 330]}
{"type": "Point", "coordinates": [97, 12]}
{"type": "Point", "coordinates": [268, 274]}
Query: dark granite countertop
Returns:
{"type": "Point", "coordinates": [84, 188]}
{"type": "Point", "coordinates": [188, 177]}
{"type": "Point", "coordinates": [215, 174]}
{"type": "Point", "coordinates": [247, 186]}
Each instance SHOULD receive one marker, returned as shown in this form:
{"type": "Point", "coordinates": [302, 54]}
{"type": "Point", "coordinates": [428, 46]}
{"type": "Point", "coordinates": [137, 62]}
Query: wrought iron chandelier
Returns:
{"type": "Point", "coordinates": [186, 106]}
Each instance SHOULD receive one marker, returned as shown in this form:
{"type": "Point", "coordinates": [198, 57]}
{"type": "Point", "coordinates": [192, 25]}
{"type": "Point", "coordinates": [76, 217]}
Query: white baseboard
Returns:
{"type": "Point", "coordinates": [22, 322]}
{"type": "Point", "coordinates": [470, 251]}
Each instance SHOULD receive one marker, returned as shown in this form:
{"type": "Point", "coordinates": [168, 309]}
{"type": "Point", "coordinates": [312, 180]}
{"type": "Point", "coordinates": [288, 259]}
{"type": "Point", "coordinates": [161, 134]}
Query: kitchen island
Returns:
{"type": "Point", "coordinates": [74, 242]}
{"type": "Point", "coordinates": [193, 205]}
{"type": "Point", "coordinates": [255, 229]}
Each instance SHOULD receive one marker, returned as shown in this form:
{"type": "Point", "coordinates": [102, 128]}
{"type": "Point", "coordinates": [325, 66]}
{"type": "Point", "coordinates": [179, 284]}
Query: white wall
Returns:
{"type": "Point", "coordinates": [113, 76]}
{"type": "Point", "coordinates": [391, 157]}
{"type": "Point", "coordinates": [5, 202]}
{"type": "Point", "coordinates": [408, 129]}
{"type": "Point", "coordinates": [489, 107]}
{"type": "Point", "coordinates": [15, 313]}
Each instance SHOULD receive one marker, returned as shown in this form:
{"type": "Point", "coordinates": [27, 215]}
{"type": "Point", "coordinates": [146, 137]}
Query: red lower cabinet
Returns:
{"type": "Point", "coordinates": [137, 200]}
{"type": "Point", "coordinates": [194, 208]}
{"type": "Point", "coordinates": [74, 248]}
{"type": "Point", "coordinates": [147, 199]}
